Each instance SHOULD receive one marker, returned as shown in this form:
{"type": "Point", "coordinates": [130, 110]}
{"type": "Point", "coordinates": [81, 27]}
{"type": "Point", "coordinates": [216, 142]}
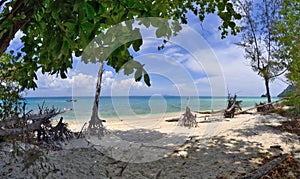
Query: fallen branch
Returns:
{"type": "Point", "coordinates": [210, 112]}
{"type": "Point", "coordinates": [263, 170]}
{"type": "Point", "coordinates": [172, 120]}
{"type": "Point", "coordinates": [271, 103]}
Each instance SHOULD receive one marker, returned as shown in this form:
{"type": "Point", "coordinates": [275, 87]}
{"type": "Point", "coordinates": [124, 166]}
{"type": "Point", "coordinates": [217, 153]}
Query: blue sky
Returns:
{"type": "Point", "coordinates": [194, 63]}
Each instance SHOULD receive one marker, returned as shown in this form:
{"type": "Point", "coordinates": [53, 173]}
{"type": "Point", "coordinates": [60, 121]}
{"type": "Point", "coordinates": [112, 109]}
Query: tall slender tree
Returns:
{"type": "Point", "coordinates": [258, 39]}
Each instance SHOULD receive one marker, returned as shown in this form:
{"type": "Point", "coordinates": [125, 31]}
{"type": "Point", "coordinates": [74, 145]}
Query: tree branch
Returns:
{"type": "Point", "coordinates": [18, 9]}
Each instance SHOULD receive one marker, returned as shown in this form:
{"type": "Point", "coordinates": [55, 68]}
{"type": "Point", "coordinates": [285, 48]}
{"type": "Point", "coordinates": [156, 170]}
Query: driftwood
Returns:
{"type": "Point", "coordinates": [30, 124]}
{"type": "Point", "coordinates": [233, 104]}
{"type": "Point", "coordinates": [263, 170]}
{"type": "Point", "coordinates": [39, 124]}
{"type": "Point", "coordinates": [210, 112]}
{"type": "Point", "coordinates": [263, 107]}
{"type": "Point", "coordinates": [60, 131]}
{"type": "Point", "coordinates": [188, 119]}
{"type": "Point", "coordinates": [172, 120]}
{"type": "Point", "coordinates": [274, 103]}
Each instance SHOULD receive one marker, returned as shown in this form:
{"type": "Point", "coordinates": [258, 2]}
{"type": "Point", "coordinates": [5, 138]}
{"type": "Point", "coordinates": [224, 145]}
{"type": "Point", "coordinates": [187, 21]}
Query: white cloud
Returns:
{"type": "Point", "coordinates": [83, 84]}
{"type": "Point", "coordinates": [129, 82]}
{"type": "Point", "coordinates": [46, 81]}
{"type": "Point", "coordinates": [107, 78]}
{"type": "Point", "coordinates": [124, 86]}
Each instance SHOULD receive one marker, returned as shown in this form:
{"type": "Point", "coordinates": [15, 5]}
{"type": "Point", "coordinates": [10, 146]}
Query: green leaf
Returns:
{"type": "Point", "coordinates": [71, 26]}
{"type": "Point", "coordinates": [136, 44]}
{"type": "Point", "coordinates": [128, 69]}
{"type": "Point", "coordinates": [138, 75]}
{"type": "Point", "coordinates": [221, 6]}
{"type": "Point", "coordinates": [65, 47]}
{"type": "Point", "coordinates": [147, 79]}
{"type": "Point", "coordinates": [232, 24]}
{"type": "Point", "coordinates": [87, 26]}
{"type": "Point", "coordinates": [89, 10]}
{"type": "Point", "coordinates": [160, 32]}
{"type": "Point", "coordinates": [63, 74]}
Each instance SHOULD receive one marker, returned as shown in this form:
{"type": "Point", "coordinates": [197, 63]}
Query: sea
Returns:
{"type": "Point", "coordinates": [80, 108]}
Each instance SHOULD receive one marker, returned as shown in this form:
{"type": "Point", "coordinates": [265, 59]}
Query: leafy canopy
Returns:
{"type": "Point", "coordinates": [55, 31]}
{"type": "Point", "coordinates": [288, 30]}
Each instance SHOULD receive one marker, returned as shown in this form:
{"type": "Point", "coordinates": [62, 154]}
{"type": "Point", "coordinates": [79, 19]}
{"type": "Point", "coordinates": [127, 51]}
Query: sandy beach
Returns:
{"type": "Point", "coordinates": [154, 148]}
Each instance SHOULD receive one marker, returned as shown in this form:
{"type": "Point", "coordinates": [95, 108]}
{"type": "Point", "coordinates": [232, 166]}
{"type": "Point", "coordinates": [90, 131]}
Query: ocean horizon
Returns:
{"type": "Point", "coordinates": [80, 108]}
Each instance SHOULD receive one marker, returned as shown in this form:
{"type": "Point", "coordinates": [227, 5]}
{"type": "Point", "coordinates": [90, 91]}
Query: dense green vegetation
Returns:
{"type": "Point", "coordinates": [10, 91]}
{"type": "Point", "coordinates": [288, 31]}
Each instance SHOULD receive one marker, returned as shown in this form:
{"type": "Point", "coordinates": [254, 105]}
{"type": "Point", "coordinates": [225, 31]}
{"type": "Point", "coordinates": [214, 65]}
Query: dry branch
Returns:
{"type": "Point", "coordinates": [271, 103]}
{"type": "Point", "coordinates": [267, 167]}
{"type": "Point", "coordinates": [32, 123]}
{"type": "Point", "coordinates": [231, 107]}
{"type": "Point", "coordinates": [188, 119]}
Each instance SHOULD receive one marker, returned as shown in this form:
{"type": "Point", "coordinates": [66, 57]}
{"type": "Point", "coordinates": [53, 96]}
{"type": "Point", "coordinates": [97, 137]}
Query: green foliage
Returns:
{"type": "Point", "coordinates": [10, 99]}
{"type": "Point", "coordinates": [288, 30]}
{"type": "Point", "coordinates": [56, 30]}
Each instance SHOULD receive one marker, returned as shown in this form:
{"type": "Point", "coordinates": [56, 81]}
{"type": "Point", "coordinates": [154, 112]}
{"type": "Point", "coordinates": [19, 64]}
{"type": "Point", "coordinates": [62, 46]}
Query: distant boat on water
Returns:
{"type": "Point", "coordinates": [71, 100]}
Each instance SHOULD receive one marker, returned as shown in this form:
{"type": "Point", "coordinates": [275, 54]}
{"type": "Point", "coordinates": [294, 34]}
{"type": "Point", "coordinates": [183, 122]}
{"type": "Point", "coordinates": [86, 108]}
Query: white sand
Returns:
{"type": "Point", "coordinates": [152, 148]}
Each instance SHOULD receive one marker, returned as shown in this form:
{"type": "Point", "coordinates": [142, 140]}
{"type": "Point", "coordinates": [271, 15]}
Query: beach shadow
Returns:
{"type": "Point", "coordinates": [140, 135]}
{"type": "Point", "coordinates": [140, 153]}
{"type": "Point", "coordinates": [218, 157]}
{"type": "Point", "coordinates": [267, 124]}
{"type": "Point", "coordinates": [137, 145]}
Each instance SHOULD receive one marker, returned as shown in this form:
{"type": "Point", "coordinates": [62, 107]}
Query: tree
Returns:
{"type": "Point", "coordinates": [287, 29]}
{"type": "Point", "coordinates": [10, 98]}
{"type": "Point", "coordinates": [259, 40]}
{"type": "Point", "coordinates": [55, 31]}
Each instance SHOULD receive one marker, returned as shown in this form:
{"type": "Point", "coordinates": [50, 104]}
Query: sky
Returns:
{"type": "Point", "coordinates": [197, 62]}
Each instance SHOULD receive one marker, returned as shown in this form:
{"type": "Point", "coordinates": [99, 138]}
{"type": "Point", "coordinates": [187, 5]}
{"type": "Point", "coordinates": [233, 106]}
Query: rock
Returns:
{"type": "Point", "coordinates": [241, 170]}
{"type": "Point", "coordinates": [183, 154]}
{"type": "Point", "coordinates": [185, 147]}
{"type": "Point", "coordinates": [174, 155]}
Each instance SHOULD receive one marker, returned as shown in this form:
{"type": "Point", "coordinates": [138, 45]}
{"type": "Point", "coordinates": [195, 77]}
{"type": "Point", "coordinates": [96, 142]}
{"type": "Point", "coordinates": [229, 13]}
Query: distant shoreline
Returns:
{"type": "Point", "coordinates": [144, 96]}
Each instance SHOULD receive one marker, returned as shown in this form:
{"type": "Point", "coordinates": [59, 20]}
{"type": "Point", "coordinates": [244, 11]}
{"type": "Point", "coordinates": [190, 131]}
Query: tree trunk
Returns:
{"type": "Point", "coordinates": [268, 89]}
{"type": "Point", "coordinates": [95, 122]}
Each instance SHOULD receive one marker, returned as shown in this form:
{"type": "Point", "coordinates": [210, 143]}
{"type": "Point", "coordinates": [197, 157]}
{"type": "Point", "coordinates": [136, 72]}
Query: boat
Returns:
{"type": "Point", "coordinates": [71, 100]}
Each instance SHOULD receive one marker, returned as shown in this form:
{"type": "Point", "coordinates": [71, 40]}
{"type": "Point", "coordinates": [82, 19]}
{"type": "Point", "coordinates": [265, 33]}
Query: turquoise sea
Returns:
{"type": "Point", "coordinates": [124, 106]}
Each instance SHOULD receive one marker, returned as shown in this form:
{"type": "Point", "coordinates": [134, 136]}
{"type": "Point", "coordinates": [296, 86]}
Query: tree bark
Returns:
{"type": "Point", "coordinates": [267, 81]}
{"type": "Point", "coordinates": [96, 122]}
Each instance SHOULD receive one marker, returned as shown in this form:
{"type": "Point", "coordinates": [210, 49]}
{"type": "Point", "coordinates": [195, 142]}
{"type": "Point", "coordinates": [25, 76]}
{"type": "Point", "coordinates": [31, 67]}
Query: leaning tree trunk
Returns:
{"type": "Point", "coordinates": [95, 124]}
{"type": "Point", "coordinates": [268, 89]}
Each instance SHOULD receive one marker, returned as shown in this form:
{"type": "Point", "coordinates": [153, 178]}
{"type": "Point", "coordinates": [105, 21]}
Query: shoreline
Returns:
{"type": "Point", "coordinates": [147, 119]}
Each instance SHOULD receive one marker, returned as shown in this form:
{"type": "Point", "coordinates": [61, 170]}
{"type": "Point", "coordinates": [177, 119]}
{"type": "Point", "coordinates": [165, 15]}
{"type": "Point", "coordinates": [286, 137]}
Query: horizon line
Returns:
{"type": "Point", "coordinates": [137, 96]}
